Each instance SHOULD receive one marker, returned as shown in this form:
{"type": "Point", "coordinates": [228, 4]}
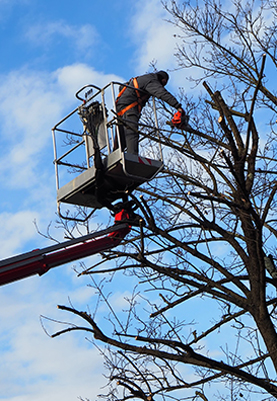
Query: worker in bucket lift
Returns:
{"type": "Point", "coordinates": [132, 99]}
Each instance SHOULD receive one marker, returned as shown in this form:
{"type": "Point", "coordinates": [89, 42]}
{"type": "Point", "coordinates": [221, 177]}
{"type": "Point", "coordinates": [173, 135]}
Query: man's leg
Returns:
{"type": "Point", "coordinates": [131, 132]}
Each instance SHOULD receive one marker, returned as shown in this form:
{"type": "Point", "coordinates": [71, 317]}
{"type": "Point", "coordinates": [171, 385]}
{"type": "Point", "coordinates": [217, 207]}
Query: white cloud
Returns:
{"type": "Point", "coordinates": [81, 38]}
{"type": "Point", "coordinates": [16, 229]}
{"type": "Point", "coordinates": [73, 77]}
{"type": "Point", "coordinates": [34, 366]}
{"type": "Point", "coordinates": [153, 36]}
{"type": "Point", "coordinates": [28, 108]}
{"type": "Point", "coordinates": [155, 40]}
{"type": "Point", "coordinates": [31, 103]}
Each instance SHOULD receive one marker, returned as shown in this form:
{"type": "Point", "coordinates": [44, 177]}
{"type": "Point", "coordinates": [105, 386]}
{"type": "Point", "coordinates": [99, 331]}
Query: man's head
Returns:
{"type": "Point", "coordinates": [163, 77]}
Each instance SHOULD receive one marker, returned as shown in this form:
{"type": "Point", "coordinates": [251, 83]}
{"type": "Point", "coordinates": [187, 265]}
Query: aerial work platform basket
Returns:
{"type": "Point", "coordinates": [92, 169]}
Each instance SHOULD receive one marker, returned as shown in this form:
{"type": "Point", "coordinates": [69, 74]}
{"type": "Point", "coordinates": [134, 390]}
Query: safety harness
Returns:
{"type": "Point", "coordinates": [134, 104]}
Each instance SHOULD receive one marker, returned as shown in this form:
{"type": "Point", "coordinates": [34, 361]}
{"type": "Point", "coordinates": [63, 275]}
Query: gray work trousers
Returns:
{"type": "Point", "coordinates": [130, 130]}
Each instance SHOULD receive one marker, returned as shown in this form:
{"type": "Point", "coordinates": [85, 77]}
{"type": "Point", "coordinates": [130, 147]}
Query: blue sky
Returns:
{"type": "Point", "coordinates": [49, 49]}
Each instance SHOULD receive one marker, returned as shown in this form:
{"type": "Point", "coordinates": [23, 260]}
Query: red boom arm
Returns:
{"type": "Point", "coordinates": [42, 260]}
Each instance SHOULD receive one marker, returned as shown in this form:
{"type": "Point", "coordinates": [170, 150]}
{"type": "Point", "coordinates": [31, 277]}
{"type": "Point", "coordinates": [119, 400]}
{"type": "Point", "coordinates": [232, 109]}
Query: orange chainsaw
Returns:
{"type": "Point", "coordinates": [179, 120]}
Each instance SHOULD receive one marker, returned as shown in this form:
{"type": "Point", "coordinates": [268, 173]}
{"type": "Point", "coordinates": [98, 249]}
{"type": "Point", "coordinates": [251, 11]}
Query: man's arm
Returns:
{"type": "Point", "coordinates": [155, 88]}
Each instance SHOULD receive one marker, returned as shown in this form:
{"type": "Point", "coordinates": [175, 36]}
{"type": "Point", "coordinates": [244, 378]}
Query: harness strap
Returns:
{"type": "Point", "coordinates": [136, 103]}
{"type": "Point", "coordinates": [121, 93]}
{"type": "Point", "coordinates": [130, 106]}
{"type": "Point", "coordinates": [135, 82]}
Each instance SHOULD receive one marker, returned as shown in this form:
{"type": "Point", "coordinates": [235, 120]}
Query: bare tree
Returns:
{"type": "Point", "coordinates": [202, 316]}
